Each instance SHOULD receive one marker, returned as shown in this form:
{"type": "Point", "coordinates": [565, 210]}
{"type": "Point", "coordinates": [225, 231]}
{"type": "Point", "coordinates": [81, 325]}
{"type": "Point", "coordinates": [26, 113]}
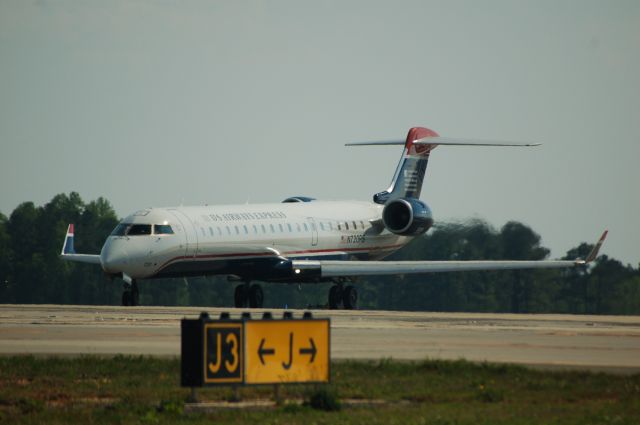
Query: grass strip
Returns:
{"type": "Point", "coordinates": [133, 390]}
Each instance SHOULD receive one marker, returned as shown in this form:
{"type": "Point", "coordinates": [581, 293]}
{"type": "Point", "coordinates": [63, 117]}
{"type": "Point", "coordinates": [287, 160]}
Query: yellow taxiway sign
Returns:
{"type": "Point", "coordinates": [286, 351]}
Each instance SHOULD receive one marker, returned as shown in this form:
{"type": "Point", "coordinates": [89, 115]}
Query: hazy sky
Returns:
{"type": "Point", "coordinates": [157, 103]}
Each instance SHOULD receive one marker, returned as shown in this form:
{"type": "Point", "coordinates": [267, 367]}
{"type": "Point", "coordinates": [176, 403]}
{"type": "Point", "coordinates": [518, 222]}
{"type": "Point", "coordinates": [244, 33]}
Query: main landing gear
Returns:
{"type": "Point", "coordinates": [346, 296]}
{"type": "Point", "coordinates": [130, 294]}
{"type": "Point", "coordinates": [248, 294]}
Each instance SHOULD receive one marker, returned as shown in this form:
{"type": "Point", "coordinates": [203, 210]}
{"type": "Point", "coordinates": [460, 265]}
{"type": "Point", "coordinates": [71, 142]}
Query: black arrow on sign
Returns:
{"type": "Point", "coordinates": [264, 351]}
{"type": "Point", "coordinates": [311, 350]}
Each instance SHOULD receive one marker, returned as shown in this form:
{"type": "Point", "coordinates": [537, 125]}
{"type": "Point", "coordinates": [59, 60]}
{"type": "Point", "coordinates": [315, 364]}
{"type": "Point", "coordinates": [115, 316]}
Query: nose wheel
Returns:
{"type": "Point", "coordinates": [343, 296]}
{"type": "Point", "coordinates": [248, 295]}
{"type": "Point", "coordinates": [131, 294]}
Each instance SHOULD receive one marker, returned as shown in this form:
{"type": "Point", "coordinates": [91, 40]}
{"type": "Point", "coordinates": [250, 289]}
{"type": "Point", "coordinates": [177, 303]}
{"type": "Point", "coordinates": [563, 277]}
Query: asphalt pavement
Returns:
{"type": "Point", "coordinates": [558, 341]}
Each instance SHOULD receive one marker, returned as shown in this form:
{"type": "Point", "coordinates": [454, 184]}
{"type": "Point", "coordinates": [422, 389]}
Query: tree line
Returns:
{"type": "Point", "coordinates": [31, 271]}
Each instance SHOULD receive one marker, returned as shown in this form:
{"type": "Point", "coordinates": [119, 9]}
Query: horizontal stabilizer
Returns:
{"type": "Point", "coordinates": [446, 141]}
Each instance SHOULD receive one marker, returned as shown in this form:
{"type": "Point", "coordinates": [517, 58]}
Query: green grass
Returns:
{"type": "Point", "coordinates": [133, 390]}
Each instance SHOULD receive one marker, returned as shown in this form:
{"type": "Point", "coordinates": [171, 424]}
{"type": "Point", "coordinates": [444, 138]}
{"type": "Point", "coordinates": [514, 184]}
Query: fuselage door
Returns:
{"type": "Point", "coordinates": [190, 234]}
{"type": "Point", "coordinates": [314, 231]}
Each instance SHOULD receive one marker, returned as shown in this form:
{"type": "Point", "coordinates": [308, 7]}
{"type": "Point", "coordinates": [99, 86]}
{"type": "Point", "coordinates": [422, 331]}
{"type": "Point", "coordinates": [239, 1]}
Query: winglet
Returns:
{"type": "Point", "coordinates": [594, 252]}
{"type": "Point", "coordinates": [69, 253]}
{"type": "Point", "coordinates": [68, 248]}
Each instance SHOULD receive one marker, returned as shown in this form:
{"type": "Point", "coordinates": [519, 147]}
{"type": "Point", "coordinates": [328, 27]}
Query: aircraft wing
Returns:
{"type": "Point", "coordinates": [368, 268]}
{"type": "Point", "coordinates": [82, 258]}
{"type": "Point", "coordinates": [69, 253]}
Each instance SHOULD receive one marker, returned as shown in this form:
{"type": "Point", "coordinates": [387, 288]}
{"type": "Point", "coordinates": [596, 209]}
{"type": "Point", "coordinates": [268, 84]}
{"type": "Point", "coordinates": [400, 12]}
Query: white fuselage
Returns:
{"type": "Point", "coordinates": [234, 239]}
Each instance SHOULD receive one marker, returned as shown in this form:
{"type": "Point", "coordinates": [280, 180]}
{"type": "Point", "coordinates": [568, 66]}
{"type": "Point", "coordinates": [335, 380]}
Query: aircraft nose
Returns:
{"type": "Point", "coordinates": [113, 257]}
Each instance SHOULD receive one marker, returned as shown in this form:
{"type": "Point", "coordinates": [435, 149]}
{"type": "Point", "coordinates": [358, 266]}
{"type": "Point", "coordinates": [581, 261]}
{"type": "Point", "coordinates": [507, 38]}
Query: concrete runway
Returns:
{"type": "Point", "coordinates": [591, 342]}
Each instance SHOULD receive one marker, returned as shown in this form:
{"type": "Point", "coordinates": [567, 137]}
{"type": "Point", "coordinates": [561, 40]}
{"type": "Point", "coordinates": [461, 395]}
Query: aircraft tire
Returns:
{"type": "Point", "coordinates": [335, 297]}
{"type": "Point", "coordinates": [135, 294]}
{"type": "Point", "coordinates": [350, 298]}
{"type": "Point", "coordinates": [240, 296]}
{"type": "Point", "coordinates": [256, 296]}
{"type": "Point", "coordinates": [126, 298]}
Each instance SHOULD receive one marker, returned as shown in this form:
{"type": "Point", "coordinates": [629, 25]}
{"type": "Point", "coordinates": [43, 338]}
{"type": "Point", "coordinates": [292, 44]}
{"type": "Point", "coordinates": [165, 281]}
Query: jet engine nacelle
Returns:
{"type": "Point", "coordinates": [407, 217]}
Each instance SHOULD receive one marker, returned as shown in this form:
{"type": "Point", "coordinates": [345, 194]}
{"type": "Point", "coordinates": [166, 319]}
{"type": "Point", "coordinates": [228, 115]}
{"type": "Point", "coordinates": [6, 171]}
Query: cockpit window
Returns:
{"type": "Point", "coordinates": [139, 229]}
{"type": "Point", "coordinates": [162, 229]}
{"type": "Point", "coordinates": [129, 229]}
{"type": "Point", "coordinates": [120, 229]}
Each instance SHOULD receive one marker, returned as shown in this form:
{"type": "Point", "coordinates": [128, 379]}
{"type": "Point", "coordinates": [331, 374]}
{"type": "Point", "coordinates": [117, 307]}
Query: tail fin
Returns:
{"type": "Point", "coordinates": [68, 248]}
{"type": "Point", "coordinates": [409, 175]}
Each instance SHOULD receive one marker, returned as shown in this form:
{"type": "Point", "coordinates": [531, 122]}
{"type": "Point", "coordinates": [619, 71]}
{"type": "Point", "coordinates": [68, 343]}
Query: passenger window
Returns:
{"type": "Point", "coordinates": [228, 230]}
{"type": "Point", "coordinates": [289, 226]}
{"type": "Point", "coordinates": [237, 230]}
{"type": "Point", "coordinates": [355, 226]}
{"type": "Point", "coordinates": [321, 226]}
{"type": "Point", "coordinates": [139, 230]}
{"type": "Point", "coordinates": [246, 231]}
{"type": "Point", "coordinates": [306, 229]}
{"type": "Point", "coordinates": [298, 226]}
{"type": "Point", "coordinates": [339, 227]}
{"type": "Point", "coordinates": [281, 228]}
{"type": "Point", "coordinates": [346, 225]}
{"type": "Point", "coordinates": [362, 223]}
{"type": "Point", "coordinates": [330, 226]}
{"type": "Point", "coordinates": [120, 230]}
{"type": "Point", "coordinates": [211, 230]}
{"type": "Point", "coordinates": [255, 229]}
{"type": "Point", "coordinates": [273, 230]}
{"type": "Point", "coordinates": [219, 231]}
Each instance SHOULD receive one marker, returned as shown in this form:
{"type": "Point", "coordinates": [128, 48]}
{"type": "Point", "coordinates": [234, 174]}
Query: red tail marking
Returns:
{"type": "Point", "coordinates": [416, 133]}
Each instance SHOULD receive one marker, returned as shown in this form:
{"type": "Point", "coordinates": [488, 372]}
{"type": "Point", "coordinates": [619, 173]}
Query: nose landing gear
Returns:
{"type": "Point", "coordinates": [131, 294]}
{"type": "Point", "coordinates": [247, 294]}
{"type": "Point", "coordinates": [343, 296]}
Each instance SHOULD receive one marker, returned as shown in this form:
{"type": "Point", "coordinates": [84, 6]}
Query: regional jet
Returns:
{"type": "Point", "coordinates": [300, 240]}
